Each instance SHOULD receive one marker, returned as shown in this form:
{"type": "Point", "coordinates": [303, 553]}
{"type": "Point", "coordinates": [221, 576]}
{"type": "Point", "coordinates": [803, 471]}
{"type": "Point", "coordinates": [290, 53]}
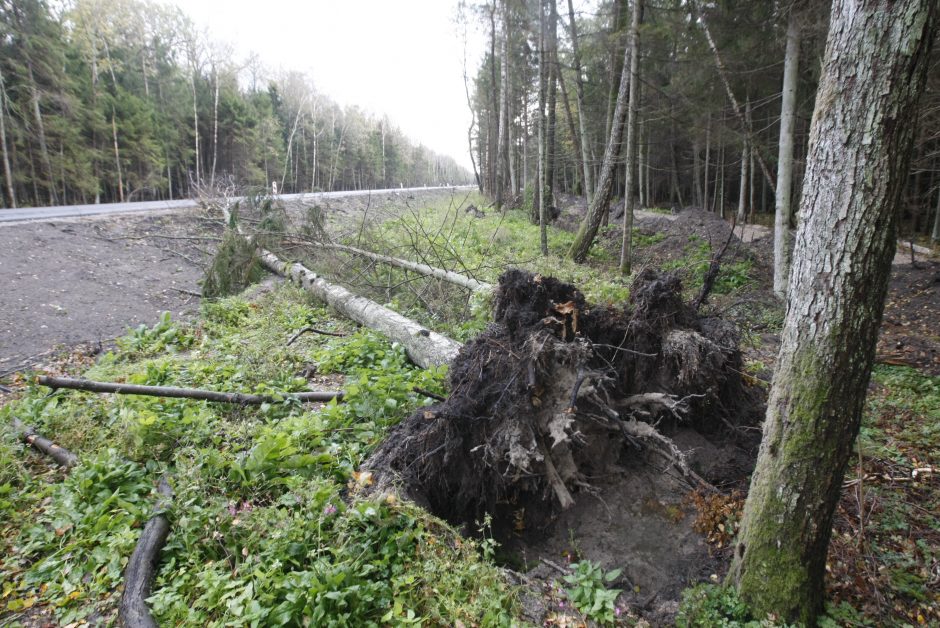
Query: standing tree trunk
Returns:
{"type": "Point", "coordinates": [215, 127]}
{"type": "Point", "coordinates": [41, 133]}
{"type": "Point", "coordinates": [708, 150]}
{"type": "Point", "coordinates": [935, 235]}
{"type": "Point", "coordinates": [874, 73]}
{"type": "Point", "coordinates": [503, 139]}
{"type": "Point", "coordinates": [626, 250]}
{"type": "Point", "coordinates": [117, 158]}
{"type": "Point", "coordinates": [542, 209]}
{"type": "Point", "coordinates": [582, 116]}
{"type": "Point", "coordinates": [7, 171]}
{"type": "Point", "coordinates": [551, 38]}
{"type": "Point", "coordinates": [600, 202]}
{"type": "Point", "coordinates": [575, 135]}
{"type": "Point", "coordinates": [742, 197]}
{"type": "Point", "coordinates": [783, 217]}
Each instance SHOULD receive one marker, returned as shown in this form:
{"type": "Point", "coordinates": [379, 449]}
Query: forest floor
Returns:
{"type": "Point", "coordinates": [274, 523]}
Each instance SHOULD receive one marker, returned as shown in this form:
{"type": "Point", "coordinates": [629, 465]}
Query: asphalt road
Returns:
{"type": "Point", "coordinates": [69, 211]}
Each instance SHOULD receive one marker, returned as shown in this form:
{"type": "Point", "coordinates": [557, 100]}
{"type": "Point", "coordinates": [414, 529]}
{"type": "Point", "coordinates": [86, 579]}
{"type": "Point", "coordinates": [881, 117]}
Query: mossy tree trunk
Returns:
{"type": "Point", "coordinates": [874, 72]}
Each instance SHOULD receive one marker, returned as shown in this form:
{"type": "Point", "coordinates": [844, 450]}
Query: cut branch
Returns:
{"type": "Point", "coordinates": [313, 330]}
{"type": "Point", "coordinates": [187, 393]}
{"type": "Point", "coordinates": [138, 579]}
{"type": "Point", "coordinates": [62, 456]}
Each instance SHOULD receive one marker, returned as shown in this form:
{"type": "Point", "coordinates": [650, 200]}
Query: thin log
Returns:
{"type": "Point", "coordinates": [425, 348]}
{"type": "Point", "coordinates": [422, 269]}
{"type": "Point", "coordinates": [63, 457]}
{"type": "Point", "coordinates": [142, 566]}
{"type": "Point", "coordinates": [177, 393]}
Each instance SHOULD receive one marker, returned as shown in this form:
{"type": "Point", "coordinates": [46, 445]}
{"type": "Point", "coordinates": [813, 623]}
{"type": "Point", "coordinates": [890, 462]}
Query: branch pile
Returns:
{"type": "Point", "coordinates": [556, 392]}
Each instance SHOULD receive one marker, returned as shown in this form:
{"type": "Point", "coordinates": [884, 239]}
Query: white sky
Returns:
{"type": "Point", "coordinates": [403, 58]}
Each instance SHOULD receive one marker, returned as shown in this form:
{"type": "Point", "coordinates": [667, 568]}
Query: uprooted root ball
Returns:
{"type": "Point", "coordinates": [555, 391]}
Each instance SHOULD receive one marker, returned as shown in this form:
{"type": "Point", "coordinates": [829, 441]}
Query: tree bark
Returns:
{"type": "Point", "coordinates": [600, 203]}
{"type": "Point", "coordinates": [422, 269]}
{"type": "Point", "coordinates": [7, 171]}
{"type": "Point", "coordinates": [874, 73]}
{"type": "Point", "coordinates": [783, 216]}
{"type": "Point", "coordinates": [503, 139]}
{"type": "Point", "coordinates": [582, 116]}
{"type": "Point", "coordinates": [117, 158]}
{"type": "Point", "coordinates": [63, 457]}
{"type": "Point", "coordinates": [935, 235]}
{"type": "Point", "coordinates": [425, 348]}
{"type": "Point", "coordinates": [180, 393]}
{"type": "Point", "coordinates": [143, 563]}
{"type": "Point", "coordinates": [742, 189]}
{"type": "Point", "coordinates": [626, 249]}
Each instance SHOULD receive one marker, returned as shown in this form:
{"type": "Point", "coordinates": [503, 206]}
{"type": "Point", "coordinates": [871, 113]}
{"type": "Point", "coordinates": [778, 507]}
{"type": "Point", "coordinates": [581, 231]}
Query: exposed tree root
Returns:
{"type": "Point", "coordinates": [557, 392]}
{"type": "Point", "coordinates": [60, 455]}
{"type": "Point", "coordinates": [142, 566]}
{"type": "Point", "coordinates": [186, 393]}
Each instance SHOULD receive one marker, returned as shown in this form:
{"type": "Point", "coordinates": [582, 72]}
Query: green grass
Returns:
{"type": "Point", "coordinates": [270, 524]}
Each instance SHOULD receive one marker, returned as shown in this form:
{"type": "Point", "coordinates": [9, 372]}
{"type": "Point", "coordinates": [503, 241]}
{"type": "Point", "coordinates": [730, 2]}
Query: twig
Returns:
{"type": "Point", "coordinates": [554, 566]}
{"type": "Point", "coordinates": [428, 393]}
{"type": "Point", "coordinates": [189, 292]}
{"type": "Point", "coordinates": [187, 393]}
{"type": "Point", "coordinates": [313, 330]}
{"type": "Point", "coordinates": [711, 275]}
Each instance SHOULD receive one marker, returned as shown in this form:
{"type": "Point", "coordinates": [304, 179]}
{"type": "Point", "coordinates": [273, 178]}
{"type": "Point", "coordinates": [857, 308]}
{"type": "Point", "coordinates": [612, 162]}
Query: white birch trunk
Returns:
{"type": "Point", "coordinates": [783, 215]}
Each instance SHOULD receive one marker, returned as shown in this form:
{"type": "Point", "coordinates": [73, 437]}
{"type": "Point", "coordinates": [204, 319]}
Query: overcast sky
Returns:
{"type": "Point", "coordinates": [403, 58]}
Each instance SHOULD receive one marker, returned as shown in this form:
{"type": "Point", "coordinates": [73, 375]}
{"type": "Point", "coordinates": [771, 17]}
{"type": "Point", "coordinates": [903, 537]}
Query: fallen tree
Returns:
{"type": "Point", "coordinates": [142, 566]}
{"type": "Point", "coordinates": [557, 392]}
{"type": "Point", "coordinates": [425, 348]}
{"type": "Point", "coordinates": [186, 393]}
{"type": "Point", "coordinates": [60, 455]}
{"type": "Point", "coordinates": [422, 269]}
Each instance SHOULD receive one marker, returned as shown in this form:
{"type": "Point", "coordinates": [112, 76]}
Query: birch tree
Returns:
{"type": "Point", "coordinates": [874, 73]}
{"type": "Point", "coordinates": [783, 216]}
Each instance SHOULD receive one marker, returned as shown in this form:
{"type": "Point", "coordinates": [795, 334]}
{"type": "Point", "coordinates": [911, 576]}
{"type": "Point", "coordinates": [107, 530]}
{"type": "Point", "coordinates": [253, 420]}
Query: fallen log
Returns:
{"type": "Point", "coordinates": [62, 456]}
{"type": "Point", "coordinates": [417, 267]}
{"type": "Point", "coordinates": [425, 348]}
{"type": "Point", "coordinates": [186, 393]}
{"type": "Point", "coordinates": [142, 566]}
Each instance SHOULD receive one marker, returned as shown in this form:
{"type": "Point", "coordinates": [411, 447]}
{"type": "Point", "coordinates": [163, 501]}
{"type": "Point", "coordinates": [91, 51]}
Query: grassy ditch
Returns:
{"type": "Point", "coordinates": [268, 525]}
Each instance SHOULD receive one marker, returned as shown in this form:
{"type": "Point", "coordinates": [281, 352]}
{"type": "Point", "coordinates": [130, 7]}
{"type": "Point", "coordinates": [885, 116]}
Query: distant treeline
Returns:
{"type": "Point", "coordinates": [120, 100]}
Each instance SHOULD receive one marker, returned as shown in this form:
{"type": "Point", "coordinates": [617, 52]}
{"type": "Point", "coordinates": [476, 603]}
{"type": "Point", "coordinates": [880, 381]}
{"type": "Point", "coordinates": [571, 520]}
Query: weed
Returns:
{"type": "Point", "coordinates": [588, 591]}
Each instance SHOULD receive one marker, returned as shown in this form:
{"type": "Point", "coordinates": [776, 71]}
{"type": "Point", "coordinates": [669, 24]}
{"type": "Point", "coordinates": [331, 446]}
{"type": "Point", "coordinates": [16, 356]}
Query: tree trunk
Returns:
{"type": "Point", "coordinates": [575, 136]}
{"type": "Point", "coordinates": [425, 348]}
{"type": "Point", "coordinates": [541, 209]}
{"type": "Point", "coordinates": [874, 73]}
{"type": "Point", "coordinates": [550, 160]}
{"type": "Point", "coordinates": [708, 150]}
{"type": "Point", "coordinates": [493, 134]}
{"type": "Point", "coordinates": [600, 203]}
{"type": "Point", "coordinates": [142, 565]}
{"type": "Point", "coordinates": [63, 457]}
{"type": "Point", "coordinates": [783, 216]}
{"type": "Point", "coordinates": [641, 164]}
{"type": "Point", "coordinates": [503, 139]}
{"type": "Point", "coordinates": [117, 158]}
{"type": "Point", "coordinates": [935, 236]}
{"type": "Point", "coordinates": [192, 83]}
{"type": "Point", "coordinates": [41, 133]}
{"type": "Point", "coordinates": [215, 128]}
{"type": "Point", "coordinates": [742, 190]}
{"type": "Point", "coordinates": [626, 250]}
{"type": "Point", "coordinates": [582, 116]}
{"type": "Point", "coordinates": [7, 171]}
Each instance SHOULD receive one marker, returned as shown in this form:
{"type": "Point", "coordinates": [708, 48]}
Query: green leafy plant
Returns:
{"type": "Point", "coordinates": [589, 593]}
{"type": "Point", "coordinates": [165, 335]}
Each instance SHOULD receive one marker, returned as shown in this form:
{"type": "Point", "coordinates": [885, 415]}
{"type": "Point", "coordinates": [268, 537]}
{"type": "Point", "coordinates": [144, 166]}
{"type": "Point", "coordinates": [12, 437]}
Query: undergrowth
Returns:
{"type": "Point", "coordinates": [269, 523]}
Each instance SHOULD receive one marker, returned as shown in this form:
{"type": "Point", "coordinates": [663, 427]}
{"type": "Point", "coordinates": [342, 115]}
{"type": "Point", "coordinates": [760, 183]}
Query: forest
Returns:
{"type": "Point", "coordinates": [715, 80]}
{"type": "Point", "coordinates": [667, 356]}
{"type": "Point", "coordinates": [127, 100]}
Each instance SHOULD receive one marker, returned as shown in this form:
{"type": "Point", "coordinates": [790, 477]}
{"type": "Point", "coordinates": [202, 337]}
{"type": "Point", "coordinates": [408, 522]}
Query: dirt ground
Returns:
{"type": "Point", "coordinates": [85, 281]}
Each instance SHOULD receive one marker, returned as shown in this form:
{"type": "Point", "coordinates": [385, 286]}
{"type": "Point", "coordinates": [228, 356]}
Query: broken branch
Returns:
{"type": "Point", "coordinates": [188, 393]}
{"type": "Point", "coordinates": [62, 456]}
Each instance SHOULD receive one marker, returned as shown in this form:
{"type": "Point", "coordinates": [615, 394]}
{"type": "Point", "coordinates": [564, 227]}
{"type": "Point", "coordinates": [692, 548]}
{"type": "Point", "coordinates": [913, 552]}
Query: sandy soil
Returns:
{"type": "Point", "coordinates": [86, 280]}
